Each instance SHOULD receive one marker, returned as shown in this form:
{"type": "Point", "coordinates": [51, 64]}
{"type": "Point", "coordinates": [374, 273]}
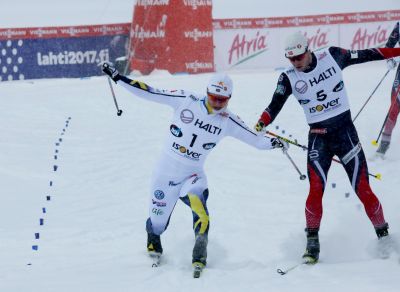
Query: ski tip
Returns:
{"type": "Point", "coordinates": [281, 272]}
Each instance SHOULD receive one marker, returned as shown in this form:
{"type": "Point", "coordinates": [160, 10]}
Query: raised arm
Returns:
{"type": "Point", "coordinates": [169, 97]}
{"type": "Point", "coordinates": [345, 58]}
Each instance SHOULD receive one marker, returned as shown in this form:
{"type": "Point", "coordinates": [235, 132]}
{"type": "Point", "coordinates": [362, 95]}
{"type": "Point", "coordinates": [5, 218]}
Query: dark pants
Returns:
{"type": "Point", "coordinates": [338, 137]}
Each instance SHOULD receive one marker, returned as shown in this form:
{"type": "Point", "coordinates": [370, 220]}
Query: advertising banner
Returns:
{"type": "Point", "coordinates": [258, 43]}
{"type": "Point", "coordinates": [263, 48]}
{"type": "Point", "coordinates": [59, 52]}
{"type": "Point", "coordinates": [175, 35]}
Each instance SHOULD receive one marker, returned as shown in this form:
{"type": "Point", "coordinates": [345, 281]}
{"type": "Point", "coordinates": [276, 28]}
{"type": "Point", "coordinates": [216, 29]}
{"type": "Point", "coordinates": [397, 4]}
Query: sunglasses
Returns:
{"type": "Point", "coordinates": [297, 58]}
{"type": "Point", "coordinates": [217, 98]}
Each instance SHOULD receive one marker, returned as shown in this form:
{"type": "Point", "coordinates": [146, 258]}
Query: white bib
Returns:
{"type": "Point", "coordinates": [321, 92]}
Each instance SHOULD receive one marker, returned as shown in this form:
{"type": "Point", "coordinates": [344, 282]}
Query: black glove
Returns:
{"type": "Point", "coordinates": [111, 71]}
{"type": "Point", "coordinates": [278, 143]}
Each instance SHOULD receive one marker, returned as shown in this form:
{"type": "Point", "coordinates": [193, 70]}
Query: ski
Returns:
{"type": "Point", "coordinates": [197, 269]}
{"type": "Point", "coordinates": [156, 258]}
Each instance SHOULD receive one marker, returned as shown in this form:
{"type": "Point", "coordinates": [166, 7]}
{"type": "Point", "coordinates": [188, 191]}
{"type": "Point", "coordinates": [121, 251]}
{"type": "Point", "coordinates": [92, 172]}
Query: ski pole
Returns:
{"type": "Point", "coordinates": [375, 142]}
{"type": "Point", "coordinates": [384, 76]}
{"type": "Point", "coordinates": [119, 112]}
{"type": "Point", "coordinates": [302, 176]}
{"type": "Point", "coordinates": [287, 140]}
{"type": "Point", "coordinates": [377, 176]}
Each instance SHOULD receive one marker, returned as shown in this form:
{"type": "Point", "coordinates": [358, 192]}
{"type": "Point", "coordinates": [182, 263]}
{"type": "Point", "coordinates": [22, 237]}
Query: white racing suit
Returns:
{"type": "Point", "coordinates": [195, 129]}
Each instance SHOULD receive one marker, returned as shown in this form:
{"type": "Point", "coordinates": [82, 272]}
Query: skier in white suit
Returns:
{"type": "Point", "coordinates": [199, 122]}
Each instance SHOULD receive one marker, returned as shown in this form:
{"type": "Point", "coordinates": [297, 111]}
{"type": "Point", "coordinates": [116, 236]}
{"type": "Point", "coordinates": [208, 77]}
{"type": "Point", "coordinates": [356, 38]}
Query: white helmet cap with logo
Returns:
{"type": "Point", "coordinates": [220, 84]}
{"type": "Point", "coordinates": [295, 44]}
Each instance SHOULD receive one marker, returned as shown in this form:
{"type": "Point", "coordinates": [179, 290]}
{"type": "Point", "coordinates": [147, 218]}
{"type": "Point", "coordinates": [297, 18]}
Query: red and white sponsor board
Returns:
{"type": "Point", "coordinates": [63, 31]}
{"type": "Point", "coordinates": [258, 43]}
{"type": "Point", "coordinates": [175, 35]}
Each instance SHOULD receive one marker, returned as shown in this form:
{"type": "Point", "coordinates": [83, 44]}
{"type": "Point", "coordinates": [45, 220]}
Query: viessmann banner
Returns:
{"type": "Point", "coordinates": [258, 43]}
{"type": "Point", "coordinates": [54, 52]}
{"type": "Point", "coordinates": [195, 46]}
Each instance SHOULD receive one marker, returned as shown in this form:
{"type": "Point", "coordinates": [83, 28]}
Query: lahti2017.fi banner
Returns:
{"type": "Point", "coordinates": [54, 52]}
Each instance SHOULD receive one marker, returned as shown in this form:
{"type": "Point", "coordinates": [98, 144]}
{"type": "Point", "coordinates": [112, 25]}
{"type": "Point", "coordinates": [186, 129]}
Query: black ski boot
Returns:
{"type": "Point", "coordinates": [199, 259]}
{"type": "Point", "coordinates": [385, 243]}
{"type": "Point", "coordinates": [154, 243]}
{"type": "Point", "coordinates": [311, 255]}
{"type": "Point", "coordinates": [154, 248]}
{"type": "Point", "coordinates": [382, 231]}
{"type": "Point", "coordinates": [383, 147]}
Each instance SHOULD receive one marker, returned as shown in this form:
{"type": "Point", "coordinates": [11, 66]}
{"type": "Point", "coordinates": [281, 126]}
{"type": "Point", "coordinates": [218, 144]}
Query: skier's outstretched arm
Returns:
{"type": "Point", "coordinates": [142, 90]}
{"type": "Point", "coordinates": [345, 58]}
{"type": "Point", "coordinates": [239, 130]}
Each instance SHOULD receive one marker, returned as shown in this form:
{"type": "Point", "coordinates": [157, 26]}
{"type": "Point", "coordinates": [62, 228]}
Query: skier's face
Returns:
{"type": "Point", "coordinates": [217, 102]}
{"type": "Point", "coordinates": [301, 62]}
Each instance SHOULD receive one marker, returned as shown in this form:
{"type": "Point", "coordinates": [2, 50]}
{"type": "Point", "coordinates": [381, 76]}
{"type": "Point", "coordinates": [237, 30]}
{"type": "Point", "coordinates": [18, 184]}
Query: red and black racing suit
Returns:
{"type": "Point", "coordinates": [334, 136]}
{"type": "Point", "coordinates": [395, 93]}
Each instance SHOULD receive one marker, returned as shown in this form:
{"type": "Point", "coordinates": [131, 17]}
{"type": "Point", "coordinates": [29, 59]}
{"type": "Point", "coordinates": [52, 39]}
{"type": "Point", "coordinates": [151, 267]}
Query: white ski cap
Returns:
{"type": "Point", "coordinates": [220, 84]}
{"type": "Point", "coordinates": [295, 44]}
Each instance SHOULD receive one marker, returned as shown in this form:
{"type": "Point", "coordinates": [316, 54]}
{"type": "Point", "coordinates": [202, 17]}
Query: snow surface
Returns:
{"type": "Point", "coordinates": [93, 237]}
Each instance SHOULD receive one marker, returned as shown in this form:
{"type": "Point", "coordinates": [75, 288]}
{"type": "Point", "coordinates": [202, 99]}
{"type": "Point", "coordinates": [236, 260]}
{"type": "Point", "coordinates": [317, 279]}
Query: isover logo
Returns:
{"type": "Point", "coordinates": [176, 131]}
{"type": "Point", "coordinates": [325, 106]}
{"type": "Point", "coordinates": [187, 152]}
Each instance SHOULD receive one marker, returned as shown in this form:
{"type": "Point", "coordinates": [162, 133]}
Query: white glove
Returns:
{"type": "Point", "coordinates": [391, 64]}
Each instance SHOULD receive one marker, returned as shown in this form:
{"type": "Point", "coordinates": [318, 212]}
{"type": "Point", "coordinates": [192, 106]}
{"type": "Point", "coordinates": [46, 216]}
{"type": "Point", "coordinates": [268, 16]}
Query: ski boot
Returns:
{"type": "Point", "coordinates": [385, 244]}
{"type": "Point", "coordinates": [311, 255]}
{"type": "Point", "coordinates": [383, 147]}
{"type": "Point", "coordinates": [199, 259]}
{"type": "Point", "coordinates": [382, 231]}
{"type": "Point", "coordinates": [154, 248]}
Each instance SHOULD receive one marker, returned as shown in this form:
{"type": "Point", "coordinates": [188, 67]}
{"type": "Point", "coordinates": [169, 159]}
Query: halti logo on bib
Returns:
{"type": "Point", "coordinates": [187, 116]}
{"type": "Point", "coordinates": [301, 86]}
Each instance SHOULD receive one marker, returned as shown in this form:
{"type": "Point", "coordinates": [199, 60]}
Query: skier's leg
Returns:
{"type": "Point", "coordinates": [318, 163]}
{"type": "Point", "coordinates": [194, 193]}
{"type": "Point", "coordinates": [162, 202]}
{"type": "Point", "coordinates": [353, 159]}
{"type": "Point", "coordinates": [392, 115]}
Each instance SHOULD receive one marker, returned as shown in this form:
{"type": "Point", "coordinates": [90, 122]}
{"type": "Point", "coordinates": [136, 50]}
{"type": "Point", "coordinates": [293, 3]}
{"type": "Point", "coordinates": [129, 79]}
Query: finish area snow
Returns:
{"type": "Point", "coordinates": [93, 204]}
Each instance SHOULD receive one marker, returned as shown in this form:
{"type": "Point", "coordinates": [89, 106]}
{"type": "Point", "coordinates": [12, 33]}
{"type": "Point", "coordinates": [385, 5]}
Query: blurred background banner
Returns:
{"type": "Point", "coordinates": [174, 35]}
{"type": "Point", "coordinates": [257, 43]}
{"type": "Point", "coordinates": [180, 36]}
{"type": "Point", "coordinates": [55, 52]}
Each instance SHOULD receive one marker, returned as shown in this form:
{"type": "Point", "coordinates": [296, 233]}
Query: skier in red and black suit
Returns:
{"type": "Point", "coordinates": [394, 108]}
{"type": "Point", "coordinates": [315, 79]}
